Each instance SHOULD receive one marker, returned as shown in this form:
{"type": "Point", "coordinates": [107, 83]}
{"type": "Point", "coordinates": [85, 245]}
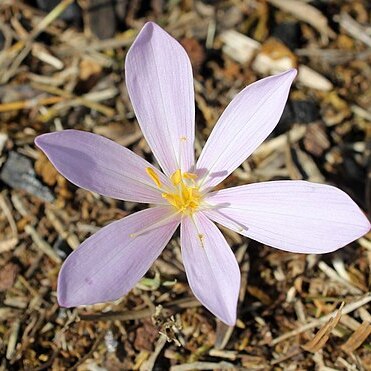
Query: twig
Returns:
{"type": "Point", "coordinates": [205, 366]}
{"type": "Point", "coordinates": [29, 103]}
{"type": "Point", "coordinates": [13, 339]}
{"type": "Point", "coordinates": [70, 237]}
{"type": "Point", "coordinates": [347, 309]}
{"type": "Point", "coordinates": [73, 101]}
{"type": "Point", "coordinates": [42, 244]}
{"type": "Point", "coordinates": [297, 350]}
{"type": "Point", "coordinates": [149, 364]}
{"type": "Point", "coordinates": [333, 56]}
{"type": "Point", "coordinates": [8, 214]}
{"type": "Point", "coordinates": [23, 47]}
{"type": "Point", "coordinates": [139, 314]}
{"type": "Point", "coordinates": [221, 353]}
{"type": "Point", "coordinates": [354, 29]}
{"type": "Point", "coordinates": [331, 273]}
{"type": "Point", "coordinates": [91, 351]}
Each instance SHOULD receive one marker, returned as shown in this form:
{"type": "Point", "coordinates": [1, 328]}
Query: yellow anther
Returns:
{"type": "Point", "coordinates": [172, 199]}
{"type": "Point", "coordinates": [192, 176]}
{"type": "Point", "coordinates": [183, 138]}
{"type": "Point", "coordinates": [176, 177]}
{"type": "Point", "coordinates": [186, 193]}
{"type": "Point", "coordinates": [154, 176]}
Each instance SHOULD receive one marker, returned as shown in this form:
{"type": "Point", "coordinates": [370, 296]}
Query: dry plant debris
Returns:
{"type": "Point", "coordinates": [61, 67]}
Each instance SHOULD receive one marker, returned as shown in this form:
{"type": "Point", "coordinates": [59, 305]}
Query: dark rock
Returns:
{"type": "Point", "coordinates": [289, 33]}
{"type": "Point", "coordinates": [121, 10]}
{"type": "Point", "coordinates": [298, 112]}
{"type": "Point", "coordinates": [62, 248]}
{"type": "Point", "coordinates": [305, 111]}
{"type": "Point", "coordinates": [351, 169]}
{"type": "Point", "coordinates": [18, 173]}
{"type": "Point", "coordinates": [2, 40]}
{"type": "Point", "coordinates": [101, 18]}
{"type": "Point", "coordinates": [71, 14]}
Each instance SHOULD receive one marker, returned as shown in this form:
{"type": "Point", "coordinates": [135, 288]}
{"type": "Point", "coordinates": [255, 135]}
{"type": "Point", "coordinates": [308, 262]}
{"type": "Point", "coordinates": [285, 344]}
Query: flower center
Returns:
{"type": "Point", "coordinates": [185, 196]}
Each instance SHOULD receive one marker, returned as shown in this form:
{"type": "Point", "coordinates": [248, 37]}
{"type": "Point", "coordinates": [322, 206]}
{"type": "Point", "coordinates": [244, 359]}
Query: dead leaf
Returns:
{"type": "Point", "coordinates": [145, 336]}
{"type": "Point", "coordinates": [8, 274]}
{"type": "Point", "coordinates": [323, 334]}
{"type": "Point", "coordinates": [46, 170]}
{"type": "Point", "coordinates": [316, 141]}
{"type": "Point", "coordinates": [89, 68]}
{"type": "Point", "coordinates": [274, 57]}
{"type": "Point", "coordinates": [195, 51]}
{"type": "Point", "coordinates": [259, 294]}
{"type": "Point", "coordinates": [357, 338]}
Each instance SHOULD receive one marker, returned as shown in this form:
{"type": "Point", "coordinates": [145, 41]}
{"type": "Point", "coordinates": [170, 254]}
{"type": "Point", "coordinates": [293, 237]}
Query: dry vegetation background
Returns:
{"type": "Point", "coordinates": [63, 68]}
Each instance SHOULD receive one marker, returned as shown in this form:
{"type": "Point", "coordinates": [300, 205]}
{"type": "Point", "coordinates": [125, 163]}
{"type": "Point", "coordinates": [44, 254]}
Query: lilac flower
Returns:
{"type": "Point", "coordinates": [294, 216]}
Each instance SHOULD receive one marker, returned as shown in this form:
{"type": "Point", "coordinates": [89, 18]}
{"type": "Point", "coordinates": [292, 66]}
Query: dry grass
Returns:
{"type": "Point", "coordinates": [57, 76]}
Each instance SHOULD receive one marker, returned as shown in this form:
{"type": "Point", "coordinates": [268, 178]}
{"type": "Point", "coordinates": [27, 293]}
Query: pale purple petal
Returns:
{"type": "Point", "coordinates": [108, 264]}
{"type": "Point", "coordinates": [160, 84]}
{"type": "Point", "coordinates": [100, 165]}
{"type": "Point", "coordinates": [211, 267]}
{"type": "Point", "coordinates": [246, 122]}
{"type": "Point", "coordinates": [294, 216]}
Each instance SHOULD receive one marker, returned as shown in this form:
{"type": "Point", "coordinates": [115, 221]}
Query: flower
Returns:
{"type": "Point", "coordinates": [294, 216]}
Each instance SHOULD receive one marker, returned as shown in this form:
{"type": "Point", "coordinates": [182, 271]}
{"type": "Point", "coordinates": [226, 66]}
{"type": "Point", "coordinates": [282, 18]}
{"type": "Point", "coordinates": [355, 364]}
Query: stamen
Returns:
{"type": "Point", "coordinates": [186, 197]}
{"type": "Point", "coordinates": [154, 176]}
{"type": "Point", "coordinates": [176, 177]}
{"type": "Point", "coordinates": [201, 238]}
{"type": "Point", "coordinates": [171, 199]}
{"type": "Point", "coordinates": [192, 176]}
{"type": "Point", "coordinates": [200, 235]}
{"type": "Point", "coordinates": [159, 224]}
{"type": "Point", "coordinates": [181, 148]}
{"type": "Point", "coordinates": [235, 224]}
